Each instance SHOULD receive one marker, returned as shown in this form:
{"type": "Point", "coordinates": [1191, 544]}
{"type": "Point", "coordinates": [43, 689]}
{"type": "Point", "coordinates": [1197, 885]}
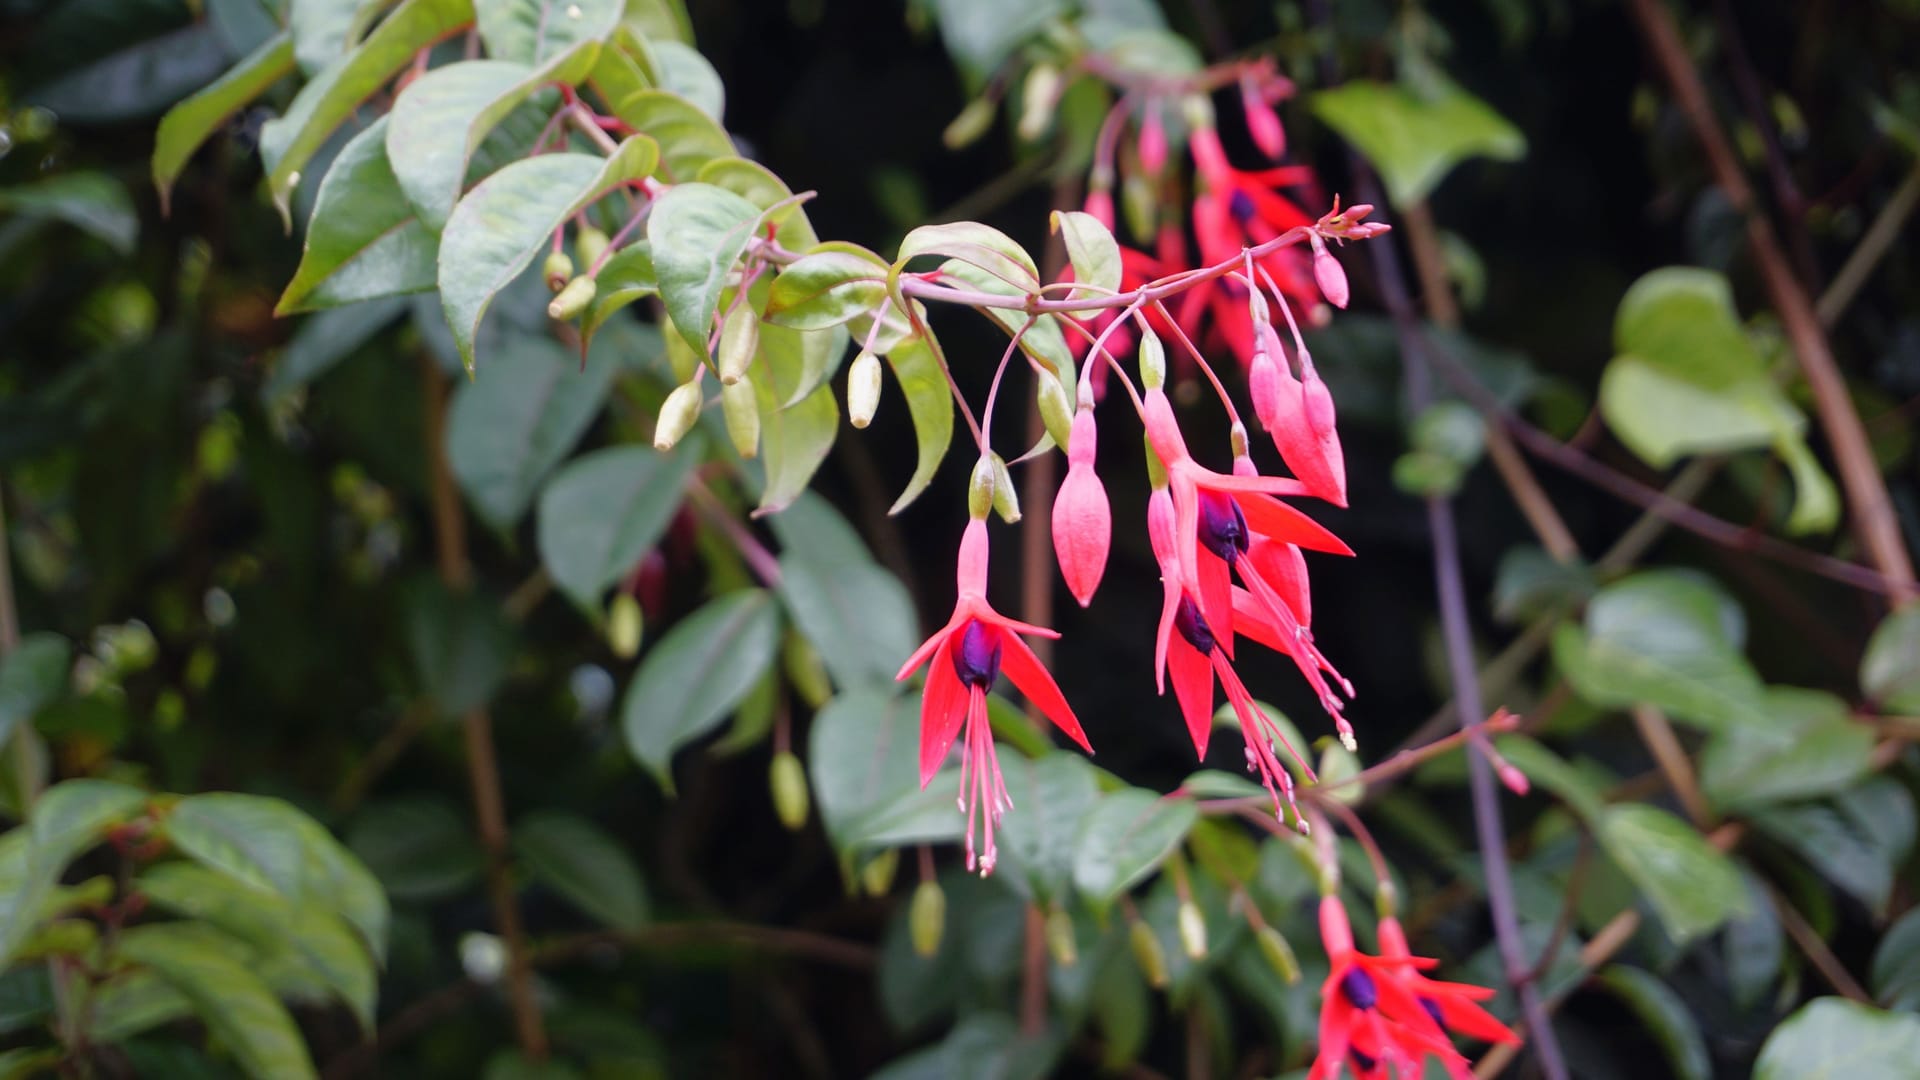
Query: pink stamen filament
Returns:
{"type": "Point", "coordinates": [982, 787]}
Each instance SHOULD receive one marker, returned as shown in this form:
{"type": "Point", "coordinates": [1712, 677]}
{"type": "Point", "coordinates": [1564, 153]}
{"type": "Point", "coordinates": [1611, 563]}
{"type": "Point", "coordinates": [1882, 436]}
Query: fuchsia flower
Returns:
{"type": "Point", "coordinates": [1455, 1007]}
{"type": "Point", "coordinates": [1299, 414]}
{"type": "Point", "coordinates": [968, 655]}
{"type": "Point", "coordinates": [1082, 519]}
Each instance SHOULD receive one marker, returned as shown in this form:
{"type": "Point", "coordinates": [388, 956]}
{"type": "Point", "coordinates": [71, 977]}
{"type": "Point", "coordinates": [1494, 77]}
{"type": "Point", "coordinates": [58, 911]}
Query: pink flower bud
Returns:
{"type": "Point", "coordinates": [1329, 275]}
{"type": "Point", "coordinates": [1515, 780]}
{"type": "Point", "coordinates": [1304, 433]}
{"type": "Point", "coordinates": [1100, 206]}
{"type": "Point", "coordinates": [1209, 157]}
{"type": "Point", "coordinates": [1082, 518]}
{"type": "Point", "coordinates": [1263, 383]}
{"type": "Point", "coordinates": [1152, 144]}
{"type": "Point", "coordinates": [1163, 431]}
{"type": "Point", "coordinates": [1262, 122]}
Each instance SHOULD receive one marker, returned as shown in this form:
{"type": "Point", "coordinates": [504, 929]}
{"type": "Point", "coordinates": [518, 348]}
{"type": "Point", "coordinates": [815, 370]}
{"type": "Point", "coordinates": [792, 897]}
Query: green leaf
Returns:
{"type": "Point", "coordinates": [236, 1005]}
{"type": "Point", "coordinates": [32, 677]}
{"type": "Point", "coordinates": [134, 1002]}
{"type": "Point", "coordinates": [1044, 340]}
{"type": "Point", "coordinates": [1040, 840]}
{"type": "Point", "coordinates": [578, 860]}
{"type": "Point", "coordinates": [1830, 1038]}
{"type": "Point", "coordinates": [854, 612]}
{"type": "Point", "coordinates": [441, 118]}
{"type": "Point", "coordinates": [498, 228]}
{"type": "Point", "coordinates": [517, 420]}
{"type": "Point", "coordinates": [190, 123]}
{"type": "Point", "coordinates": [1801, 745]}
{"type": "Point", "coordinates": [315, 941]}
{"type": "Point", "coordinates": [1555, 774]}
{"type": "Point", "coordinates": [758, 185]}
{"type": "Point", "coordinates": [1660, 637]}
{"type": "Point", "coordinates": [137, 81]}
{"type": "Point", "coordinates": [688, 137]}
{"type": "Point", "coordinates": [627, 276]}
{"type": "Point", "coordinates": [1092, 250]}
{"type": "Point", "coordinates": [795, 363]}
{"type": "Point", "coordinates": [1890, 669]}
{"type": "Point", "coordinates": [1532, 583]}
{"type": "Point", "coordinates": [983, 247]}
{"type": "Point", "coordinates": [696, 674]}
{"type": "Point", "coordinates": [931, 405]}
{"type": "Point", "coordinates": [326, 339]}
{"type": "Point", "coordinates": [363, 241]}
{"type": "Point", "coordinates": [979, 34]}
{"type": "Point", "coordinates": [1857, 841]}
{"type": "Point", "coordinates": [288, 143]}
{"type": "Point", "coordinates": [826, 289]}
{"type": "Point", "coordinates": [793, 440]}
{"type": "Point", "coordinates": [67, 820]}
{"type": "Point", "coordinates": [601, 513]}
{"type": "Point", "coordinates": [697, 232]}
{"type": "Point", "coordinates": [1665, 1014]}
{"type": "Point", "coordinates": [91, 202]}
{"type": "Point", "coordinates": [1691, 885]}
{"type": "Point", "coordinates": [266, 843]}
{"type": "Point", "coordinates": [1681, 319]}
{"type": "Point", "coordinates": [1126, 837]}
{"type": "Point", "coordinates": [419, 847]}
{"type": "Point", "coordinates": [864, 757]}
{"type": "Point", "coordinates": [460, 643]}
{"type": "Point", "coordinates": [1754, 946]}
{"type": "Point", "coordinates": [1415, 139]}
{"type": "Point", "coordinates": [534, 31]}
{"type": "Point", "coordinates": [1896, 964]}
{"type": "Point", "coordinates": [323, 30]}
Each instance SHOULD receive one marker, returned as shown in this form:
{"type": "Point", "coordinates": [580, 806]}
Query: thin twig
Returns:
{"type": "Point", "coordinates": [1656, 731]}
{"type": "Point", "coordinates": [1874, 243]}
{"type": "Point", "coordinates": [1816, 950]}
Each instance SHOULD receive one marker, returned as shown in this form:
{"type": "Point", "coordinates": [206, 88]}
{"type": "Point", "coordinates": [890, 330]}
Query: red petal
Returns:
{"type": "Point", "coordinates": [1034, 680]}
{"type": "Point", "coordinates": [1465, 1018]}
{"type": "Point", "coordinates": [1276, 520]}
{"type": "Point", "coordinates": [1250, 620]}
{"type": "Point", "coordinates": [1265, 485]}
{"type": "Point", "coordinates": [1193, 686]}
{"type": "Point", "coordinates": [1216, 597]}
{"type": "Point", "coordinates": [942, 707]}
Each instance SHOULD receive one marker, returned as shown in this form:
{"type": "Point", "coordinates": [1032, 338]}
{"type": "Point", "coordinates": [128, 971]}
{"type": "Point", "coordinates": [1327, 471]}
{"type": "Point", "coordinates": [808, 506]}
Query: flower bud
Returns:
{"type": "Point", "coordinates": [1056, 409]}
{"type": "Point", "coordinates": [1006, 497]}
{"type": "Point", "coordinates": [625, 622]}
{"type": "Point", "coordinates": [1278, 954]}
{"type": "Point", "coordinates": [739, 340]}
{"type": "Point", "coordinates": [572, 300]}
{"type": "Point", "coordinates": [788, 781]}
{"type": "Point", "coordinates": [1262, 122]}
{"type": "Point", "coordinates": [1148, 954]}
{"type": "Point", "coordinates": [927, 918]}
{"type": "Point", "coordinates": [590, 244]}
{"type": "Point", "coordinates": [805, 670]}
{"type": "Point", "coordinates": [980, 489]}
{"type": "Point", "coordinates": [877, 876]}
{"type": "Point", "coordinates": [1082, 516]}
{"type": "Point", "coordinates": [973, 122]}
{"type": "Point", "coordinates": [741, 408]}
{"type": "Point", "coordinates": [558, 270]}
{"type": "Point", "coordinates": [1153, 361]}
{"type": "Point", "coordinates": [1193, 930]}
{"type": "Point", "coordinates": [863, 389]}
{"type": "Point", "coordinates": [1152, 144]}
{"type": "Point", "coordinates": [1062, 944]}
{"type": "Point", "coordinates": [1038, 98]}
{"type": "Point", "coordinates": [1263, 385]}
{"type": "Point", "coordinates": [1140, 200]}
{"type": "Point", "coordinates": [677, 415]}
{"type": "Point", "coordinates": [1328, 274]}
{"type": "Point", "coordinates": [1100, 204]}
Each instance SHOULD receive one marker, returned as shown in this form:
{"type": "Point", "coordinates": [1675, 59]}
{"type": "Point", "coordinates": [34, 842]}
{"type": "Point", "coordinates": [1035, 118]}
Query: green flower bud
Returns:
{"type": "Point", "coordinates": [805, 671]}
{"type": "Point", "coordinates": [927, 918]}
{"type": "Point", "coordinates": [877, 876]}
{"type": "Point", "coordinates": [677, 415]}
{"type": "Point", "coordinates": [572, 300]}
{"type": "Point", "coordinates": [1140, 202]}
{"type": "Point", "coordinates": [590, 244]}
{"type": "Point", "coordinates": [739, 340]}
{"type": "Point", "coordinates": [624, 625]}
{"type": "Point", "coordinates": [1056, 408]}
{"type": "Point", "coordinates": [1278, 953]}
{"type": "Point", "coordinates": [980, 489]}
{"type": "Point", "coordinates": [1193, 931]}
{"type": "Point", "coordinates": [1062, 943]}
{"type": "Point", "coordinates": [1153, 360]}
{"type": "Point", "coordinates": [1148, 954]}
{"type": "Point", "coordinates": [1006, 497]}
{"type": "Point", "coordinates": [863, 389]}
{"type": "Point", "coordinates": [1038, 98]}
{"type": "Point", "coordinates": [973, 122]}
{"type": "Point", "coordinates": [558, 270]}
{"type": "Point", "coordinates": [788, 779]}
{"type": "Point", "coordinates": [741, 408]}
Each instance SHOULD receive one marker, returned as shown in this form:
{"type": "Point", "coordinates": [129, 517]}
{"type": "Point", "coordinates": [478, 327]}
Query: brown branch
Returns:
{"type": "Point", "coordinates": [1816, 950]}
{"type": "Point", "coordinates": [1753, 99]}
{"type": "Point", "coordinates": [1870, 506]}
{"type": "Point", "coordinates": [483, 770]}
{"type": "Point", "coordinates": [1656, 731]}
{"type": "Point", "coordinates": [1873, 245]}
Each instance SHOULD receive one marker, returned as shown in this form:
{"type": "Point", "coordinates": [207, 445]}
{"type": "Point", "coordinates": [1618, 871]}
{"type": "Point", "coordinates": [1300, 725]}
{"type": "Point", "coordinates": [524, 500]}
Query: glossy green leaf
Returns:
{"type": "Point", "coordinates": [794, 441]}
{"type": "Point", "coordinates": [323, 30]}
{"type": "Point", "coordinates": [1800, 746]}
{"type": "Point", "coordinates": [1896, 965]}
{"type": "Point", "coordinates": [1040, 841]}
{"type": "Point", "coordinates": [983, 247]}
{"type": "Point", "coordinates": [1832, 1038]}
{"type": "Point", "coordinates": [1043, 341]}
{"type": "Point", "coordinates": [1666, 1016]}
{"type": "Point", "coordinates": [864, 755]}
{"type": "Point", "coordinates": [1754, 946]}
{"type": "Point", "coordinates": [826, 289]}
{"type": "Point", "coordinates": [692, 679]}
{"type": "Point", "coordinates": [190, 123]}
{"type": "Point", "coordinates": [1659, 637]}
{"type": "Point", "coordinates": [135, 82]}
{"type": "Point", "coordinates": [688, 138]}
{"type": "Point", "coordinates": [498, 228]}
{"type": "Point", "coordinates": [317, 941]}
{"type": "Point", "coordinates": [266, 843]}
{"type": "Point", "coordinates": [1858, 840]}
{"type": "Point", "coordinates": [697, 233]}
{"type": "Point", "coordinates": [758, 185]}
{"type": "Point", "coordinates": [460, 643]}
{"type": "Point", "coordinates": [91, 202]}
{"type": "Point", "coordinates": [68, 819]}
{"type": "Point", "coordinates": [518, 419]}
{"type": "Point", "coordinates": [364, 241]}
{"type": "Point", "coordinates": [440, 119]}
{"type": "Point", "coordinates": [856, 614]}
{"type": "Point", "coordinates": [1531, 583]}
{"type": "Point", "coordinates": [685, 72]}
{"type": "Point", "coordinates": [32, 676]}
{"type": "Point", "coordinates": [796, 363]}
{"type": "Point", "coordinates": [420, 847]}
{"type": "Point", "coordinates": [930, 403]}
{"type": "Point", "coordinates": [237, 1006]}
{"type": "Point", "coordinates": [289, 143]}
{"type": "Point", "coordinates": [601, 513]}
{"type": "Point", "coordinates": [979, 34]}
{"type": "Point", "coordinates": [537, 31]}
{"type": "Point", "coordinates": [1126, 837]}
{"type": "Point", "coordinates": [325, 339]}
{"type": "Point", "coordinates": [578, 860]}
{"type": "Point", "coordinates": [1692, 886]}
{"type": "Point", "coordinates": [1091, 249]}
{"type": "Point", "coordinates": [1416, 138]}
{"type": "Point", "coordinates": [1890, 668]}
{"type": "Point", "coordinates": [627, 277]}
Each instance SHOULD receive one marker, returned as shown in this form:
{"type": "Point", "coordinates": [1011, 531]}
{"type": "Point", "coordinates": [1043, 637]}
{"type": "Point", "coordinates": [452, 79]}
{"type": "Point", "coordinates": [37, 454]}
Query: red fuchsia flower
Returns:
{"type": "Point", "coordinates": [1263, 123]}
{"type": "Point", "coordinates": [968, 655]}
{"type": "Point", "coordinates": [1194, 657]}
{"type": "Point", "coordinates": [1082, 518]}
{"type": "Point", "coordinates": [1453, 1006]}
{"type": "Point", "coordinates": [1299, 414]}
{"type": "Point", "coordinates": [1369, 1020]}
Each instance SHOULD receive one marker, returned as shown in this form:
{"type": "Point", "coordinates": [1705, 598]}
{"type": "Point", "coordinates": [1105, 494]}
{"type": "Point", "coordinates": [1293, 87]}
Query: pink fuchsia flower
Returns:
{"type": "Point", "coordinates": [1369, 1021]}
{"type": "Point", "coordinates": [1454, 1007]}
{"type": "Point", "coordinates": [1082, 518]}
{"type": "Point", "coordinates": [1300, 415]}
{"type": "Point", "coordinates": [1263, 123]}
{"type": "Point", "coordinates": [967, 656]}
